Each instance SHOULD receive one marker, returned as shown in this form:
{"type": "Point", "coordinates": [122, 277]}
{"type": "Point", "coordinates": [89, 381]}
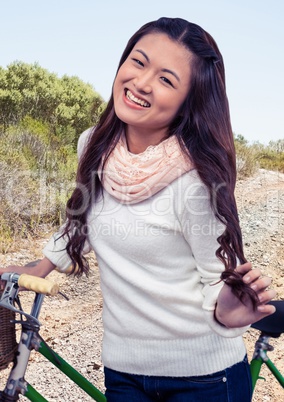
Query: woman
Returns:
{"type": "Point", "coordinates": [155, 200]}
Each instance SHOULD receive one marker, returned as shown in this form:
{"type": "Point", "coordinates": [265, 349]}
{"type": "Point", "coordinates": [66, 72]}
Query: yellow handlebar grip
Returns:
{"type": "Point", "coordinates": [38, 285]}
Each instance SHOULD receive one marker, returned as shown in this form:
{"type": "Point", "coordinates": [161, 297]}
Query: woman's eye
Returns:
{"type": "Point", "coordinates": [167, 81]}
{"type": "Point", "coordinates": [138, 62]}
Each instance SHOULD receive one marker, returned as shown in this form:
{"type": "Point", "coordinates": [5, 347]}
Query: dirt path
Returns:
{"type": "Point", "coordinates": [74, 329]}
{"type": "Point", "coordinates": [261, 206]}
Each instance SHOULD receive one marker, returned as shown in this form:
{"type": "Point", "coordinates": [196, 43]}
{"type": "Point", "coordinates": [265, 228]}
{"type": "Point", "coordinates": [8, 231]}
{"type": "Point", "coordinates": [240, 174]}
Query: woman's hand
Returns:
{"type": "Point", "coordinates": [232, 313]}
{"type": "Point", "coordinates": [11, 268]}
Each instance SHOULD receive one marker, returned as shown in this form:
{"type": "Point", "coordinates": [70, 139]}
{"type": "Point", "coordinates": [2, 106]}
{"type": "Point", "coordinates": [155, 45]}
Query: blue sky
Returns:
{"type": "Point", "coordinates": [86, 38]}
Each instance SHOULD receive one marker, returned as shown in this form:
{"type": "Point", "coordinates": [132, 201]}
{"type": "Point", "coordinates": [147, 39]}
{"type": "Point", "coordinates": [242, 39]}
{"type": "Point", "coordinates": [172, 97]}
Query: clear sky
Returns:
{"type": "Point", "coordinates": [86, 38]}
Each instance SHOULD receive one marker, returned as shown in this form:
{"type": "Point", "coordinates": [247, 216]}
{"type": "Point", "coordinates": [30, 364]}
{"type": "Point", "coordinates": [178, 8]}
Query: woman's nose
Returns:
{"type": "Point", "coordinates": [143, 83]}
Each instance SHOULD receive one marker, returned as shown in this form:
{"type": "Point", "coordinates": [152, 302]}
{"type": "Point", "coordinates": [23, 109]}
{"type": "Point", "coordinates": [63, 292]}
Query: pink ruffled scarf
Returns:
{"type": "Point", "coordinates": [132, 178]}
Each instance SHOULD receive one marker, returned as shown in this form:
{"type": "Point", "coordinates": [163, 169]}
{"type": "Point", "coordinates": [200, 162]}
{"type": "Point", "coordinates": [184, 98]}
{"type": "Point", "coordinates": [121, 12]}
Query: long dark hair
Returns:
{"type": "Point", "coordinates": [204, 131]}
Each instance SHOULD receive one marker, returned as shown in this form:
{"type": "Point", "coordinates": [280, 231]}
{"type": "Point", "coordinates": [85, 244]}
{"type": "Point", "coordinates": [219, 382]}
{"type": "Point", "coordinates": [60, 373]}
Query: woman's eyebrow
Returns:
{"type": "Point", "coordinates": [165, 70]}
{"type": "Point", "coordinates": [144, 54]}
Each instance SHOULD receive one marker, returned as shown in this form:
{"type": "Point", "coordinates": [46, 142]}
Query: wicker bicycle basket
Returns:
{"type": "Point", "coordinates": [8, 343]}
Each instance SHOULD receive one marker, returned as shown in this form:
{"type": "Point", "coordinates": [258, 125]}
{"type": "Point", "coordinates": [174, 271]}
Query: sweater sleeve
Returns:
{"type": "Point", "coordinates": [201, 230]}
{"type": "Point", "coordinates": [55, 249]}
{"type": "Point", "coordinates": [83, 141]}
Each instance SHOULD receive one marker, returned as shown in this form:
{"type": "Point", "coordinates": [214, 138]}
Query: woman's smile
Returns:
{"type": "Point", "coordinates": [138, 101]}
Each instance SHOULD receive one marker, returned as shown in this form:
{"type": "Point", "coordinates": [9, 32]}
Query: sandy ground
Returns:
{"type": "Point", "coordinates": [74, 329]}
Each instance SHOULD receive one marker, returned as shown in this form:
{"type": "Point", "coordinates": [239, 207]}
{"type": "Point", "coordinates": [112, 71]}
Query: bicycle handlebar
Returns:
{"type": "Point", "coordinates": [34, 283]}
{"type": "Point", "coordinates": [38, 285]}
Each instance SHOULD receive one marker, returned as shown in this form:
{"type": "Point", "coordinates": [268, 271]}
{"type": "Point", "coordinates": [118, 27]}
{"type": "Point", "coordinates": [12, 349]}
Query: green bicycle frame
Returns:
{"type": "Point", "coordinates": [255, 367]}
{"type": "Point", "coordinates": [69, 371]}
{"type": "Point", "coordinates": [30, 340]}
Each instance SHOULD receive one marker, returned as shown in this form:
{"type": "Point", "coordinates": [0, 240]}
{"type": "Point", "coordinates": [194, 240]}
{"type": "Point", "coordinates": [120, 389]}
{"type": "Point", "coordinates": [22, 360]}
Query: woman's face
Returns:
{"type": "Point", "coordinates": [152, 84]}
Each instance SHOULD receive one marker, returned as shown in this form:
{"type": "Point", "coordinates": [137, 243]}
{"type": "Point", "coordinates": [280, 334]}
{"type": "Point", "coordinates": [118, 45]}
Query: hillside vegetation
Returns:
{"type": "Point", "coordinates": [41, 118]}
{"type": "Point", "coordinates": [251, 157]}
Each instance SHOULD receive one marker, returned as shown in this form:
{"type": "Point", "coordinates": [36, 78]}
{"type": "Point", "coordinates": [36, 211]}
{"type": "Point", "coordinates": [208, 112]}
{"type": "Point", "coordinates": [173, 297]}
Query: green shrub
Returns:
{"type": "Point", "coordinates": [271, 160]}
{"type": "Point", "coordinates": [36, 179]}
{"type": "Point", "coordinates": [258, 156]}
{"type": "Point", "coordinates": [245, 158]}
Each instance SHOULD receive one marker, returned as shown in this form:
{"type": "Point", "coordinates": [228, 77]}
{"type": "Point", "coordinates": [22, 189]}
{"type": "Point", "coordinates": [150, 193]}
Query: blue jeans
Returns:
{"type": "Point", "coordinates": [230, 385]}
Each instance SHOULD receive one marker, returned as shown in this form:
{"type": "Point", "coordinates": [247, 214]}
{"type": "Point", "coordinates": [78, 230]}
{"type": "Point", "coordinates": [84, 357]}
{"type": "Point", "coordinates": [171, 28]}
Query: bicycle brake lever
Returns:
{"type": "Point", "coordinates": [10, 293]}
{"type": "Point", "coordinates": [64, 295]}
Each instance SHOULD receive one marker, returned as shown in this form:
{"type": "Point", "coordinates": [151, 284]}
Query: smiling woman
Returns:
{"type": "Point", "coordinates": [160, 168]}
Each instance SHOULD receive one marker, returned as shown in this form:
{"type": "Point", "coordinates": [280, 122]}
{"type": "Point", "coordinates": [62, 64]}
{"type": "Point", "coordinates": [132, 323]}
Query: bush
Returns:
{"type": "Point", "coordinates": [36, 179]}
{"type": "Point", "coordinates": [271, 160]}
{"type": "Point", "coordinates": [257, 156]}
{"type": "Point", "coordinates": [246, 160]}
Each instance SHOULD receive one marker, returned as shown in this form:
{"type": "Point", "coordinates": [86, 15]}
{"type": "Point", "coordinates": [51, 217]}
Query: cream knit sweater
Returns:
{"type": "Point", "coordinates": [159, 280]}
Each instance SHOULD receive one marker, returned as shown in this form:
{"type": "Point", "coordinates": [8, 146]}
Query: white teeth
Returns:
{"type": "Point", "coordinates": [137, 100]}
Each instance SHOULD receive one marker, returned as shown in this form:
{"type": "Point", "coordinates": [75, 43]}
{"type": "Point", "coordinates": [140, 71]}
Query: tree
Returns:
{"type": "Point", "coordinates": [240, 139]}
{"type": "Point", "coordinates": [76, 109]}
{"type": "Point", "coordinates": [65, 103]}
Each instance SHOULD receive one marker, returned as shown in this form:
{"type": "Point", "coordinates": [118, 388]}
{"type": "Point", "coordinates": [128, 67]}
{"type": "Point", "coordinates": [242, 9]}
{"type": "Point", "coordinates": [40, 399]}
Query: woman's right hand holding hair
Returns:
{"type": "Point", "coordinates": [232, 313]}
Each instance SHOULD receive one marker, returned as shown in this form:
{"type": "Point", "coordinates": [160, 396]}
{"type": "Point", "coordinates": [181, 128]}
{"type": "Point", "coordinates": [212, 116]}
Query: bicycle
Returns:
{"type": "Point", "coordinates": [30, 339]}
{"type": "Point", "coordinates": [272, 326]}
